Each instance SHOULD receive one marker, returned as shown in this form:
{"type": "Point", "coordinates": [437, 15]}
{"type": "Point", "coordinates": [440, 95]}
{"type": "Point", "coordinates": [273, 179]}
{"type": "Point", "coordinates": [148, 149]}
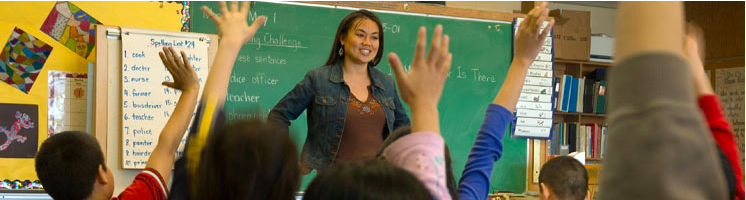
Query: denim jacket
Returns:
{"type": "Point", "coordinates": [326, 96]}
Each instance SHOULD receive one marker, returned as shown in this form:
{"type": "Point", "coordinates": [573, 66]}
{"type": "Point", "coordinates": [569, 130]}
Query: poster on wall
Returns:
{"type": "Point", "coordinates": [67, 109]}
{"type": "Point", "coordinates": [22, 58]}
{"type": "Point", "coordinates": [729, 86]}
{"type": "Point", "coordinates": [19, 131]}
{"type": "Point", "coordinates": [72, 27]}
{"type": "Point", "coordinates": [146, 103]}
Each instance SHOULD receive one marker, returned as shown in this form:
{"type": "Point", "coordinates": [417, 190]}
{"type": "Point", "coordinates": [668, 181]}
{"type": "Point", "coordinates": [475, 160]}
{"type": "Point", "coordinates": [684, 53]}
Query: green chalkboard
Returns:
{"type": "Point", "coordinates": [298, 37]}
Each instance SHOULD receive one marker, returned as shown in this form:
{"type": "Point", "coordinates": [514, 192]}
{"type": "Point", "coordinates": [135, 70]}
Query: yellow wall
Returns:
{"type": "Point", "coordinates": [30, 16]}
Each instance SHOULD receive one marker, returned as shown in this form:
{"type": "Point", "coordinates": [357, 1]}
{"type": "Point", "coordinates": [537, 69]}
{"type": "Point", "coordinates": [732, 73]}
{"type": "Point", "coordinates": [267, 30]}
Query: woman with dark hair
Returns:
{"type": "Point", "coordinates": [352, 106]}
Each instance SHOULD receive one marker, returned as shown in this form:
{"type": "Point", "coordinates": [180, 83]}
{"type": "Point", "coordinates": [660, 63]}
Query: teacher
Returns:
{"type": "Point", "coordinates": [352, 106]}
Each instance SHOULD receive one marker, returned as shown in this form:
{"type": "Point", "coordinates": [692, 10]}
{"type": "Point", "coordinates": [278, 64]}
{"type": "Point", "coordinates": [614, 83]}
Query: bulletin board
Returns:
{"type": "Point", "coordinates": [30, 17]}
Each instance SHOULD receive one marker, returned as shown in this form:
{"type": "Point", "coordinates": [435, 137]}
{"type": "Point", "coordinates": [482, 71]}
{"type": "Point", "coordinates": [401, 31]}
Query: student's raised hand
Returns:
{"type": "Point", "coordinates": [694, 43]}
{"type": "Point", "coordinates": [423, 85]}
{"type": "Point", "coordinates": [694, 49]}
{"type": "Point", "coordinates": [185, 79]}
{"type": "Point", "coordinates": [530, 38]}
{"type": "Point", "coordinates": [232, 26]}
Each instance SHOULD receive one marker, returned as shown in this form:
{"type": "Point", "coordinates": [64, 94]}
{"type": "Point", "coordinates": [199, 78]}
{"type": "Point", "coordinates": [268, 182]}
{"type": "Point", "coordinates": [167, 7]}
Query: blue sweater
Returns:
{"type": "Point", "coordinates": [488, 147]}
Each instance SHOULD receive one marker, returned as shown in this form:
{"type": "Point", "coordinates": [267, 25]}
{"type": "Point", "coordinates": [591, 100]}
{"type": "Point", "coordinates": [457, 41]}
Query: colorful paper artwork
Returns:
{"type": "Point", "coordinates": [72, 27]}
{"type": "Point", "coordinates": [22, 58]}
{"type": "Point", "coordinates": [19, 131]}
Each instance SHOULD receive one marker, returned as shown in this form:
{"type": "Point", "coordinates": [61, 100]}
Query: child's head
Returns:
{"type": "Point", "coordinates": [248, 160]}
{"type": "Point", "coordinates": [563, 178]}
{"type": "Point", "coordinates": [370, 180]}
{"type": "Point", "coordinates": [450, 180]}
{"type": "Point", "coordinates": [70, 165]}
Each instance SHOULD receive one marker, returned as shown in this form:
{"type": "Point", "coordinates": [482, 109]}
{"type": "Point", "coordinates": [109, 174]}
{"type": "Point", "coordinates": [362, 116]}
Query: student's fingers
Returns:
{"type": "Point", "coordinates": [533, 26]}
{"type": "Point", "coordinates": [210, 14]}
{"type": "Point", "coordinates": [223, 8]}
{"type": "Point", "coordinates": [169, 84]}
{"type": "Point", "coordinates": [419, 49]}
{"type": "Point", "coordinates": [526, 24]}
{"type": "Point", "coordinates": [170, 57]}
{"type": "Point", "coordinates": [446, 64]}
{"type": "Point", "coordinates": [546, 31]}
{"type": "Point", "coordinates": [165, 61]}
{"type": "Point", "coordinates": [176, 60]}
{"type": "Point", "coordinates": [443, 56]}
{"type": "Point", "coordinates": [541, 11]}
{"type": "Point", "coordinates": [539, 22]}
{"type": "Point", "coordinates": [396, 66]}
{"type": "Point", "coordinates": [257, 24]}
{"type": "Point", "coordinates": [245, 6]}
{"type": "Point", "coordinates": [187, 66]}
{"type": "Point", "coordinates": [167, 55]}
{"type": "Point", "coordinates": [434, 52]}
{"type": "Point", "coordinates": [234, 6]}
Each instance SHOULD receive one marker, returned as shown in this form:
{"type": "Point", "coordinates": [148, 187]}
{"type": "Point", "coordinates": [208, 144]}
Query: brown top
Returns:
{"type": "Point", "coordinates": [363, 130]}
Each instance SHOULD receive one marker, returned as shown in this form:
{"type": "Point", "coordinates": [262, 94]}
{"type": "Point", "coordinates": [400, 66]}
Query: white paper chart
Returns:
{"type": "Point", "coordinates": [146, 104]}
{"type": "Point", "coordinates": [67, 109]}
{"type": "Point", "coordinates": [534, 107]}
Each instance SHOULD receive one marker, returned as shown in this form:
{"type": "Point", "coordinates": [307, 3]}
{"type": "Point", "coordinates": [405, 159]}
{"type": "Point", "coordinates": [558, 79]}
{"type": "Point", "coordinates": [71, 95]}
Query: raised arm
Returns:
{"type": "Point", "coordinates": [488, 146]}
{"type": "Point", "coordinates": [528, 42]}
{"type": "Point", "coordinates": [185, 79]}
{"type": "Point", "coordinates": [709, 103]}
{"type": "Point", "coordinates": [658, 146]}
{"type": "Point", "coordinates": [234, 32]}
{"type": "Point", "coordinates": [422, 87]}
{"type": "Point", "coordinates": [655, 26]}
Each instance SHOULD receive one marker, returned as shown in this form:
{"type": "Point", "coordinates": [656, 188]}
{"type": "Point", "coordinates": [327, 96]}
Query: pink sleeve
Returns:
{"type": "Point", "coordinates": [422, 155]}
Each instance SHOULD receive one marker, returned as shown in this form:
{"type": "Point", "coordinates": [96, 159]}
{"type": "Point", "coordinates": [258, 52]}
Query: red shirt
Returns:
{"type": "Point", "coordinates": [148, 184]}
{"type": "Point", "coordinates": [723, 134]}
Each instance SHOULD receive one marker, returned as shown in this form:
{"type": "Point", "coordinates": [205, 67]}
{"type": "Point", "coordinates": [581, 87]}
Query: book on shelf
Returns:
{"type": "Point", "coordinates": [588, 89]}
{"type": "Point", "coordinates": [573, 104]}
{"type": "Point", "coordinates": [576, 137]}
{"type": "Point", "coordinates": [580, 95]}
{"type": "Point", "coordinates": [601, 104]}
{"type": "Point", "coordinates": [565, 84]}
{"type": "Point", "coordinates": [581, 83]}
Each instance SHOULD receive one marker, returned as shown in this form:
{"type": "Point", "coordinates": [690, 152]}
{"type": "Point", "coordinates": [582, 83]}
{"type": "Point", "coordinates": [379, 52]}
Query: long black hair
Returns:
{"type": "Point", "coordinates": [369, 180]}
{"type": "Point", "coordinates": [344, 27]}
{"type": "Point", "coordinates": [249, 159]}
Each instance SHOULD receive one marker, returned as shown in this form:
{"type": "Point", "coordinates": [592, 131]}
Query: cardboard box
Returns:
{"type": "Point", "coordinates": [572, 34]}
{"type": "Point", "coordinates": [602, 49]}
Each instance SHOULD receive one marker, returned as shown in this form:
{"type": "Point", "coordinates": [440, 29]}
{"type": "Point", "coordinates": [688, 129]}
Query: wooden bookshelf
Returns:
{"type": "Point", "coordinates": [575, 68]}
{"type": "Point", "coordinates": [578, 68]}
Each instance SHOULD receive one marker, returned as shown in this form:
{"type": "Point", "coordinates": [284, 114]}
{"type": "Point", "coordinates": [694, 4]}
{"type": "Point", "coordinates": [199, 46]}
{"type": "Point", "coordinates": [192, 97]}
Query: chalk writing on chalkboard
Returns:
{"type": "Point", "coordinates": [146, 104]}
{"type": "Point", "coordinates": [729, 85]}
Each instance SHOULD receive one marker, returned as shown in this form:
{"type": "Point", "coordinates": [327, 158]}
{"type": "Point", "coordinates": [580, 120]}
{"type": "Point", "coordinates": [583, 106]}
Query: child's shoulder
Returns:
{"type": "Point", "coordinates": [148, 184]}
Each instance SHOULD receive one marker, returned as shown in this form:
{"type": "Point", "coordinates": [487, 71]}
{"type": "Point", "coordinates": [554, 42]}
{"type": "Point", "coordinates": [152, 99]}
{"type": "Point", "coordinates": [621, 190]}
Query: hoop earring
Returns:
{"type": "Point", "coordinates": [342, 51]}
